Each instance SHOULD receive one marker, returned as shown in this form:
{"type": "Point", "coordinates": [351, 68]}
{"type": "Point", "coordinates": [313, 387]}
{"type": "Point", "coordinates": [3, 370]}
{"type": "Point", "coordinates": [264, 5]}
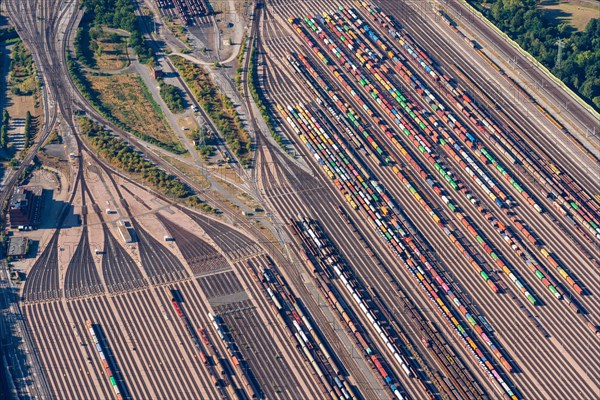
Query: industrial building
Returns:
{"type": "Point", "coordinates": [125, 232]}
{"type": "Point", "coordinates": [23, 210]}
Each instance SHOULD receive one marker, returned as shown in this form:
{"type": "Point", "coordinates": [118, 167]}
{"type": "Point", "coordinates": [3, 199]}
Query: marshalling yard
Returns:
{"type": "Point", "coordinates": [436, 236]}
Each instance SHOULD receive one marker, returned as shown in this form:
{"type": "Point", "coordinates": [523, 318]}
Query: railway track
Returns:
{"type": "Point", "coordinates": [489, 233]}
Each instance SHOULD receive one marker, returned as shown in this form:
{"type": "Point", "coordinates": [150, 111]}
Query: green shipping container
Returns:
{"type": "Point", "coordinates": [471, 320]}
{"type": "Point", "coordinates": [531, 299]}
{"type": "Point", "coordinates": [539, 274]}
{"type": "Point", "coordinates": [484, 275]}
{"type": "Point", "coordinates": [112, 381]}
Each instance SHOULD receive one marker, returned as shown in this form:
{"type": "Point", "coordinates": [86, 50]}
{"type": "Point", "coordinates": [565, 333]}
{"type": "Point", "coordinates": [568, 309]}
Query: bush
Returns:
{"type": "Point", "coordinates": [173, 97]}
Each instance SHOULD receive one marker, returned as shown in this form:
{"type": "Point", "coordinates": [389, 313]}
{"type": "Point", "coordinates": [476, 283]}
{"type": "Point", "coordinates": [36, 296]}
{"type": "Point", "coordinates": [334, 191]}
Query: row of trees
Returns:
{"type": "Point", "coordinates": [240, 59]}
{"type": "Point", "coordinates": [218, 107]}
{"type": "Point", "coordinates": [258, 97]}
{"type": "Point", "coordinates": [4, 129]}
{"type": "Point", "coordinates": [118, 14]}
{"type": "Point", "coordinates": [526, 24]}
{"type": "Point", "coordinates": [28, 130]}
{"type": "Point", "coordinates": [122, 156]}
{"type": "Point", "coordinates": [83, 48]}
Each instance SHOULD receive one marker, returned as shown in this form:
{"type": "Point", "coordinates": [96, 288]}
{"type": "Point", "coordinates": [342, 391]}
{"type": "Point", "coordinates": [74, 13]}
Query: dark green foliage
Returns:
{"type": "Point", "coordinates": [83, 49]}
{"type": "Point", "coordinates": [173, 97]}
{"type": "Point", "coordinates": [122, 156]}
{"type": "Point", "coordinates": [112, 13]}
{"type": "Point", "coordinates": [119, 14]}
{"type": "Point", "coordinates": [28, 129]}
{"type": "Point", "coordinates": [524, 22]}
{"type": "Point", "coordinates": [141, 47]}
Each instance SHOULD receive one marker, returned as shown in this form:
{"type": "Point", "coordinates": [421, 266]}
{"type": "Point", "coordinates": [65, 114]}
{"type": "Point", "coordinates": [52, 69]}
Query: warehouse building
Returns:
{"type": "Point", "coordinates": [24, 207]}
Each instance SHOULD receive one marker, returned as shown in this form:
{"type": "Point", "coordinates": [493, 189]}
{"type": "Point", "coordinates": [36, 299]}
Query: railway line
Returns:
{"type": "Point", "coordinates": [561, 102]}
{"type": "Point", "coordinates": [437, 247]}
{"type": "Point", "coordinates": [143, 302]}
{"type": "Point", "coordinates": [490, 233]}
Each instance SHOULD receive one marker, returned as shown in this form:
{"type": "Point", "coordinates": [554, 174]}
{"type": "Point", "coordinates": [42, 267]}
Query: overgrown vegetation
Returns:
{"type": "Point", "coordinates": [196, 202]}
{"type": "Point", "coordinates": [258, 96]}
{"type": "Point", "coordinates": [218, 107]}
{"type": "Point", "coordinates": [524, 22]}
{"type": "Point", "coordinates": [54, 137]}
{"type": "Point", "coordinates": [22, 72]}
{"type": "Point", "coordinates": [173, 97]}
{"type": "Point", "coordinates": [205, 142]}
{"type": "Point", "coordinates": [118, 14]}
{"type": "Point", "coordinates": [119, 101]}
{"type": "Point", "coordinates": [122, 156]}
